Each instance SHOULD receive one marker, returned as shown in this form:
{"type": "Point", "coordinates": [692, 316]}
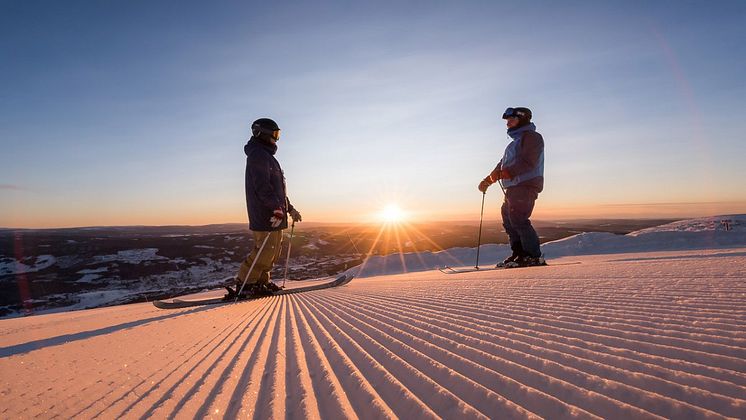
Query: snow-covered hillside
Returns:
{"type": "Point", "coordinates": [701, 233]}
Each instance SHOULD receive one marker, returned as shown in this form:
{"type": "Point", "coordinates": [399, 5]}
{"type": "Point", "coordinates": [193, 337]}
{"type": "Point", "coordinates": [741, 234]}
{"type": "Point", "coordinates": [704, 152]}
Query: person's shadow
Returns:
{"type": "Point", "coordinates": [62, 339]}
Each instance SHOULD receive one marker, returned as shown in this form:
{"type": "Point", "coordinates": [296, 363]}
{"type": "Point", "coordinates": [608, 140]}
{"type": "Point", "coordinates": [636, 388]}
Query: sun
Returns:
{"type": "Point", "coordinates": [392, 213]}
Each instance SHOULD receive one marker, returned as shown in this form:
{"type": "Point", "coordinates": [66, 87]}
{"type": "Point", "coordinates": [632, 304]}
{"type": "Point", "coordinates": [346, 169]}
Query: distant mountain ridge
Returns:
{"type": "Point", "coordinates": [733, 222]}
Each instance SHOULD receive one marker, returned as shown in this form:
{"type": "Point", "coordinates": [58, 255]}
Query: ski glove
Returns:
{"type": "Point", "coordinates": [493, 177]}
{"type": "Point", "coordinates": [499, 173]}
{"type": "Point", "coordinates": [504, 174]}
{"type": "Point", "coordinates": [277, 217]}
{"type": "Point", "coordinates": [295, 215]}
{"type": "Point", "coordinates": [485, 184]}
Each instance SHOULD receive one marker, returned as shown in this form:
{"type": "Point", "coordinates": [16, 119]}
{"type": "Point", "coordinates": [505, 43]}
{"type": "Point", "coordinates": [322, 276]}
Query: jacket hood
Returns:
{"type": "Point", "coordinates": [258, 142]}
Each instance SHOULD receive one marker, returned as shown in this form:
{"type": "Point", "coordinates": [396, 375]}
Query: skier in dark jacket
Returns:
{"type": "Point", "coordinates": [521, 175]}
{"type": "Point", "coordinates": [268, 206]}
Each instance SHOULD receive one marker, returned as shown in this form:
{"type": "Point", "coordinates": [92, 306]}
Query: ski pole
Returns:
{"type": "Point", "coordinates": [253, 263]}
{"type": "Point", "coordinates": [479, 240]}
{"type": "Point", "coordinates": [501, 187]}
{"type": "Point", "coordinates": [287, 260]}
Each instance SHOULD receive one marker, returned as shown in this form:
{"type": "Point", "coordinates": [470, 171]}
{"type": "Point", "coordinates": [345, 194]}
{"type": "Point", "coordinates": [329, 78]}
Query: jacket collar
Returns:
{"type": "Point", "coordinates": [515, 133]}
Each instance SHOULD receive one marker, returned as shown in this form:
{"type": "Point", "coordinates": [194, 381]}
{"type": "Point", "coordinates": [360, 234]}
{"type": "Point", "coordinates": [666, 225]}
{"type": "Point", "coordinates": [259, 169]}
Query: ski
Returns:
{"type": "Point", "coordinates": [181, 303]}
{"type": "Point", "coordinates": [451, 270]}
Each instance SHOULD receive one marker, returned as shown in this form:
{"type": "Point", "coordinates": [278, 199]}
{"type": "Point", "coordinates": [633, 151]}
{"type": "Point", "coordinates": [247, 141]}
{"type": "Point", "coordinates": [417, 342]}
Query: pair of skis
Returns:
{"type": "Point", "coordinates": [452, 270]}
{"type": "Point", "coordinates": [180, 303]}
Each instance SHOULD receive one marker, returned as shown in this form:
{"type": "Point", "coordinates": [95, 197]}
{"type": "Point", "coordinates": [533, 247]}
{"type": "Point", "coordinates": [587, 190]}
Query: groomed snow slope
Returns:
{"type": "Point", "coordinates": [640, 335]}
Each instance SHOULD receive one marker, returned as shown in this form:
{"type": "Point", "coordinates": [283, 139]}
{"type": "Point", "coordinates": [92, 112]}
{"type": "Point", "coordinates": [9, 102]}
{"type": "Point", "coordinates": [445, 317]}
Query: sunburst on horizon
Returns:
{"type": "Point", "coordinates": [392, 213]}
{"type": "Point", "coordinates": [395, 234]}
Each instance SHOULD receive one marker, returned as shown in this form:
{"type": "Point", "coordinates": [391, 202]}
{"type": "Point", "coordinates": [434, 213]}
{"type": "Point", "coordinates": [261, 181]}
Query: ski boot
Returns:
{"type": "Point", "coordinates": [526, 261]}
{"type": "Point", "coordinates": [233, 294]}
{"type": "Point", "coordinates": [504, 263]}
{"type": "Point", "coordinates": [265, 288]}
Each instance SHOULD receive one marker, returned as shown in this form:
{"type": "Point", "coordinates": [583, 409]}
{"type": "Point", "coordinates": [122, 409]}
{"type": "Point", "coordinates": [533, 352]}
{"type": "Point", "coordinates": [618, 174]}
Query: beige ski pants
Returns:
{"type": "Point", "coordinates": [264, 261]}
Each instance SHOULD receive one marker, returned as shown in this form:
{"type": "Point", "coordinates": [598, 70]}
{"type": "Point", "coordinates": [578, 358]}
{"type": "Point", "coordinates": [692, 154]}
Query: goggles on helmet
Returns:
{"type": "Point", "coordinates": [513, 113]}
{"type": "Point", "coordinates": [275, 134]}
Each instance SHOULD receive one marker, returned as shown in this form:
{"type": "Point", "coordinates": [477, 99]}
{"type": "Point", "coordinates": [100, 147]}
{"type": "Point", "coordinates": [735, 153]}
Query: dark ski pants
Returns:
{"type": "Point", "coordinates": [516, 209]}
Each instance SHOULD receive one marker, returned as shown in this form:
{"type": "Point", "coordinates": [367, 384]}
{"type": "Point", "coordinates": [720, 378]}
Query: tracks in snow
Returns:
{"type": "Point", "coordinates": [432, 347]}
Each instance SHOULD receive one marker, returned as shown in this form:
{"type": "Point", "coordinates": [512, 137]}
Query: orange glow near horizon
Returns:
{"type": "Point", "coordinates": [404, 236]}
{"type": "Point", "coordinates": [391, 213]}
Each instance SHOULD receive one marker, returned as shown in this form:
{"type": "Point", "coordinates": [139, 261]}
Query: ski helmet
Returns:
{"type": "Point", "coordinates": [267, 127]}
{"type": "Point", "coordinates": [523, 114]}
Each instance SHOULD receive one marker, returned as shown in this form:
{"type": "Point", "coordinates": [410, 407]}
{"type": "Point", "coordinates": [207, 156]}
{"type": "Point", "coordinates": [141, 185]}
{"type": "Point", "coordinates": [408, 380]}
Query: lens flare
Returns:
{"type": "Point", "coordinates": [392, 213]}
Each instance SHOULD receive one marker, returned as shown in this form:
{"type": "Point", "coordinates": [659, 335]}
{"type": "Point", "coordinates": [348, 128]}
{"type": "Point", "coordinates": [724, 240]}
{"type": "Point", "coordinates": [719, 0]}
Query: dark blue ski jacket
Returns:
{"type": "Point", "coordinates": [265, 186]}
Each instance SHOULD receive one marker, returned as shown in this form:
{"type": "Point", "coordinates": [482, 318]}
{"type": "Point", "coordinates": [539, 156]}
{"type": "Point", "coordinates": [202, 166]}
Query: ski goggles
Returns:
{"type": "Point", "coordinates": [513, 113]}
{"type": "Point", "coordinates": [275, 134]}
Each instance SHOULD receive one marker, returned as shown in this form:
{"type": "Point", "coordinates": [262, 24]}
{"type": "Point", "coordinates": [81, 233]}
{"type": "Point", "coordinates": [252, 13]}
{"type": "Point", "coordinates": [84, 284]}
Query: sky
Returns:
{"type": "Point", "coordinates": [136, 112]}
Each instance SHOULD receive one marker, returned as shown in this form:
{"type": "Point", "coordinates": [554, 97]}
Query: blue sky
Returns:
{"type": "Point", "coordinates": [136, 112]}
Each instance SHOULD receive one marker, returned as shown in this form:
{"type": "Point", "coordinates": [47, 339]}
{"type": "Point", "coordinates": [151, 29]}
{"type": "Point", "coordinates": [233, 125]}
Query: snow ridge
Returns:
{"type": "Point", "coordinates": [693, 234]}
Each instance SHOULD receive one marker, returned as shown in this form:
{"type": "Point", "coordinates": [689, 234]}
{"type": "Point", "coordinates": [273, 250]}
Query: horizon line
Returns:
{"type": "Point", "coordinates": [365, 223]}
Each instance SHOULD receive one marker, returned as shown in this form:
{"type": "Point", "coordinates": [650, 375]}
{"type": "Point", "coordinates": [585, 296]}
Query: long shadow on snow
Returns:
{"type": "Point", "coordinates": [62, 339]}
{"type": "Point", "coordinates": [226, 372]}
{"type": "Point", "coordinates": [246, 319]}
{"type": "Point", "coordinates": [234, 405]}
{"type": "Point", "coordinates": [134, 387]}
{"type": "Point", "coordinates": [154, 385]}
